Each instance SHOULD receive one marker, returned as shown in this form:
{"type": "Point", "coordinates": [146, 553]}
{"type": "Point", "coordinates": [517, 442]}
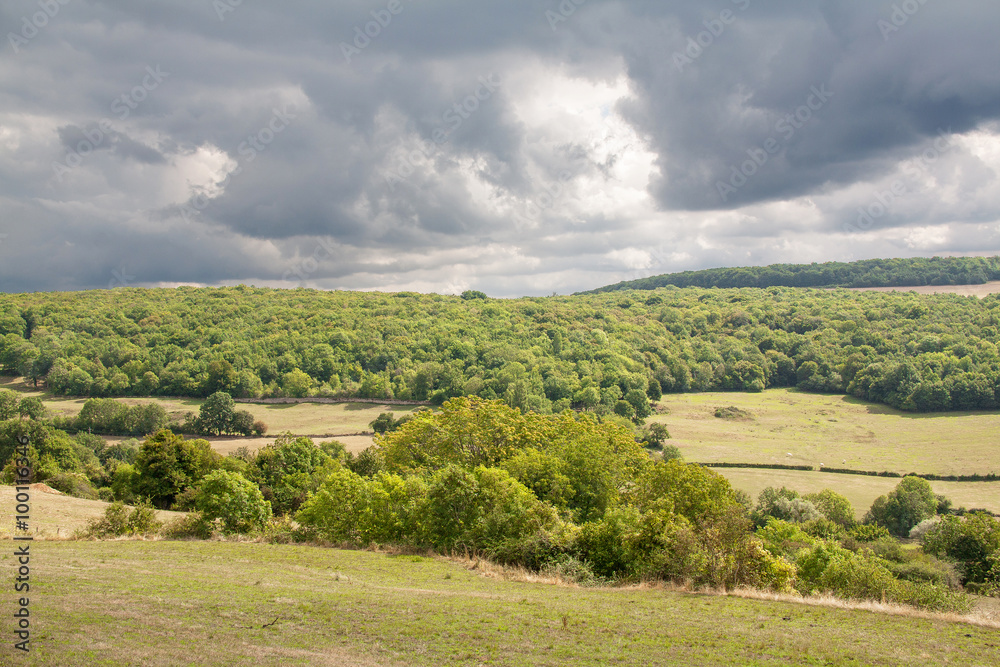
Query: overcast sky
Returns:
{"type": "Point", "coordinates": [519, 147]}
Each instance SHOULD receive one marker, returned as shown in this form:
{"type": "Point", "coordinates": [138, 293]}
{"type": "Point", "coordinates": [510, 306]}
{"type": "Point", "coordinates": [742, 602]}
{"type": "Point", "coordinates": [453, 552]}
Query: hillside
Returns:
{"type": "Point", "coordinates": [222, 603]}
{"type": "Point", "coordinates": [912, 272]}
{"type": "Point", "coordinates": [604, 352]}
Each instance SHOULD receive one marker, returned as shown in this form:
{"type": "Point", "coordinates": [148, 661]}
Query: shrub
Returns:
{"type": "Point", "coordinates": [869, 532]}
{"type": "Point", "coordinates": [119, 521]}
{"type": "Point", "coordinates": [834, 507]}
{"type": "Point", "coordinates": [798, 510]}
{"type": "Point", "coordinates": [921, 529]}
{"type": "Point", "coordinates": [904, 507]}
{"type": "Point", "coordinates": [234, 500]}
{"type": "Point", "coordinates": [192, 525]}
{"type": "Point", "coordinates": [73, 484]}
{"type": "Point", "coordinates": [971, 540]}
{"type": "Point", "coordinates": [767, 502]}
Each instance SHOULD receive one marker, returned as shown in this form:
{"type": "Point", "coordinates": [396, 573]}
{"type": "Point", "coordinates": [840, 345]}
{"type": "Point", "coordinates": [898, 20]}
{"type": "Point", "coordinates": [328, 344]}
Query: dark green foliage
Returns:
{"type": "Point", "coordinates": [386, 422]}
{"type": "Point", "coordinates": [217, 413]}
{"type": "Point", "coordinates": [32, 408]}
{"type": "Point", "coordinates": [110, 417]}
{"type": "Point", "coordinates": [167, 464]}
{"type": "Point", "coordinates": [973, 541]}
{"type": "Point", "coordinates": [909, 272]}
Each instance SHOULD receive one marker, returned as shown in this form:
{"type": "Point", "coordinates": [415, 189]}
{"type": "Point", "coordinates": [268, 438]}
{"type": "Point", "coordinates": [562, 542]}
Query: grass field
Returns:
{"type": "Point", "coordinates": [169, 603]}
{"type": "Point", "coordinates": [54, 515]}
{"type": "Point", "coordinates": [343, 421]}
{"type": "Point", "coordinates": [837, 431]}
{"type": "Point", "coordinates": [861, 490]}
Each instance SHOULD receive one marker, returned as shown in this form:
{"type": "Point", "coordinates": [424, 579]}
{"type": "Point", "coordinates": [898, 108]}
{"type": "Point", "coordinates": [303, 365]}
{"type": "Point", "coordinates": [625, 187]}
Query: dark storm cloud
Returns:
{"type": "Point", "coordinates": [374, 143]}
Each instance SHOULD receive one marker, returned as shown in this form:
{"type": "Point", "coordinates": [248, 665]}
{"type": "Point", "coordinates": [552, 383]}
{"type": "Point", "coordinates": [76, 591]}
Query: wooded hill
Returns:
{"type": "Point", "coordinates": [607, 353]}
{"type": "Point", "coordinates": [914, 272]}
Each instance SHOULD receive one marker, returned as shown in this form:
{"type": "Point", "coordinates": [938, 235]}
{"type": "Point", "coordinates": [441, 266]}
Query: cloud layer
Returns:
{"type": "Point", "coordinates": [524, 147]}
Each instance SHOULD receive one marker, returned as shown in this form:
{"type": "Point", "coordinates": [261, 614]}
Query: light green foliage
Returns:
{"type": "Point", "coordinates": [288, 470]}
{"type": "Point", "coordinates": [234, 500]}
{"type": "Point", "coordinates": [833, 506]}
{"type": "Point", "coordinates": [596, 458]}
{"type": "Point", "coordinates": [296, 383]}
{"type": "Point", "coordinates": [783, 538]}
{"type": "Point", "coordinates": [904, 507]}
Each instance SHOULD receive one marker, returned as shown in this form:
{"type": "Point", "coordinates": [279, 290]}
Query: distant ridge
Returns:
{"type": "Point", "coordinates": [913, 272]}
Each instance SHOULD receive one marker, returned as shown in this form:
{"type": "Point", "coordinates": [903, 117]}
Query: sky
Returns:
{"type": "Point", "coordinates": [517, 147]}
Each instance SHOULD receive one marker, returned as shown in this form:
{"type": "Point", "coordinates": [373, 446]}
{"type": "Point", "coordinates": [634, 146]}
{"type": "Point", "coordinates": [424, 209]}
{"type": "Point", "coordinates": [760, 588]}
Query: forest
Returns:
{"type": "Point", "coordinates": [909, 272]}
{"type": "Point", "coordinates": [605, 353]}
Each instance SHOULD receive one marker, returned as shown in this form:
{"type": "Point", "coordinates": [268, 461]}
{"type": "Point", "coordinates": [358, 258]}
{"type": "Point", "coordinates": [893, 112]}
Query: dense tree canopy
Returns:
{"type": "Point", "coordinates": [606, 353]}
{"type": "Point", "coordinates": [900, 272]}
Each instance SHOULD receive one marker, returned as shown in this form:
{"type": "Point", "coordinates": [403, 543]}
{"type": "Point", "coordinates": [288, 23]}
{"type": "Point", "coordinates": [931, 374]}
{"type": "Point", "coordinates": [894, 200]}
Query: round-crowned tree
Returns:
{"type": "Point", "coordinates": [235, 500]}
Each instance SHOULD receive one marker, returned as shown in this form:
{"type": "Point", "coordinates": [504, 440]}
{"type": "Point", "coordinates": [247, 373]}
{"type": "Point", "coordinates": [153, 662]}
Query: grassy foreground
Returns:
{"type": "Point", "coordinates": [169, 603]}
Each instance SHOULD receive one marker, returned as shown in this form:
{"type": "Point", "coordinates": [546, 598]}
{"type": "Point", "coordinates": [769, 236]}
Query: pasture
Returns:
{"type": "Point", "coordinates": [798, 428]}
{"type": "Point", "coordinates": [224, 603]}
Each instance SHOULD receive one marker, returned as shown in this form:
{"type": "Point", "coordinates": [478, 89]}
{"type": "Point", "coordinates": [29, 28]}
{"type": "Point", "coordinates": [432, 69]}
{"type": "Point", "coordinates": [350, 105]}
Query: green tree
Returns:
{"type": "Point", "coordinates": [834, 507]}
{"type": "Point", "coordinates": [904, 507]}
{"type": "Point", "coordinates": [296, 383]}
{"type": "Point", "coordinates": [233, 499]}
{"type": "Point", "coordinates": [32, 407]}
{"type": "Point", "coordinates": [9, 401]}
{"type": "Point", "coordinates": [167, 465]}
{"type": "Point", "coordinates": [216, 413]}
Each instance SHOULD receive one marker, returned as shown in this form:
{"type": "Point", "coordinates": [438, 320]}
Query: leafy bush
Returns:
{"type": "Point", "coordinates": [973, 541]}
{"type": "Point", "coordinates": [834, 507]}
{"type": "Point", "coordinates": [869, 532]}
{"type": "Point", "coordinates": [73, 484]}
{"type": "Point", "coordinates": [234, 500]}
{"type": "Point", "coordinates": [119, 521]}
{"type": "Point", "coordinates": [904, 507]}
{"type": "Point", "coordinates": [190, 526]}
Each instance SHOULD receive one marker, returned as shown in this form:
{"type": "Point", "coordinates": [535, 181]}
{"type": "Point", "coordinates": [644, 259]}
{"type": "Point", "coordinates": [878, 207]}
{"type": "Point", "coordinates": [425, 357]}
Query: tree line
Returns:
{"type": "Point", "coordinates": [609, 353]}
{"type": "Point", "coordinates": [908, 272]}
{"type": "Point", "coordinates": [567, 495]}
